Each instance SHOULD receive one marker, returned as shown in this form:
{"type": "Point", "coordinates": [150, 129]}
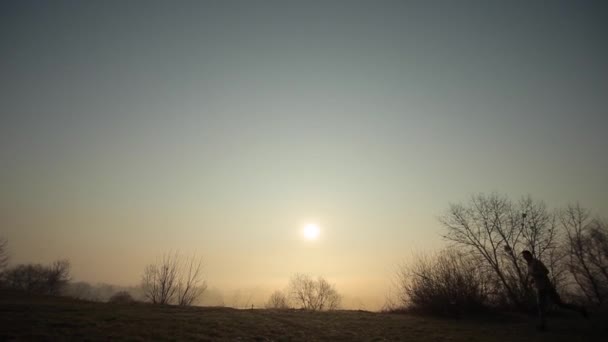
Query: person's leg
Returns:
{"type": "Point", "coordinates": [541, 300]}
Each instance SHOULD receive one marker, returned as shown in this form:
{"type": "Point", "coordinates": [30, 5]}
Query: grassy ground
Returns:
{"type": "Point", "coordinates": [26, 317]}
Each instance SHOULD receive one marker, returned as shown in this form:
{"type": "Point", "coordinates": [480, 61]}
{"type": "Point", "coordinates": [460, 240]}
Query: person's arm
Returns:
{"type": "Point", "coordinates": [543, 268]}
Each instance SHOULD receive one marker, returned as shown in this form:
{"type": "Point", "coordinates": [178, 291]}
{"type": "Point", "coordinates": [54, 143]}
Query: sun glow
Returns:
{"type": "Point", "coordinates": [311, 231]}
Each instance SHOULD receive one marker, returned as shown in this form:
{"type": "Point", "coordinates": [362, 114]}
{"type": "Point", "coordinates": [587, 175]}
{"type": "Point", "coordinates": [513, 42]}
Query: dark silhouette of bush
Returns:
{"type": "Point", "coordinates": [28, 278]}
{"type": "Point", "coordinates": [449, 283]}
{"type": "Point", "coordinates": [57, 276]}
{"type": "Point", "coordinates": [121, 297]}
{"type": "Point", "coordinates": [37, 278]}
{"type": "Point", "coordinates": [277, 300]}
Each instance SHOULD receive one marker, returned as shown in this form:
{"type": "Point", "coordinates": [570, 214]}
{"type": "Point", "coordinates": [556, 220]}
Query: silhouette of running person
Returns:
{"type": "Point", "coordinates": [539, 275]}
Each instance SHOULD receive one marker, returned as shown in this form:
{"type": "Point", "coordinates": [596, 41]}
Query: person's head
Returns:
{"type": "Point", "coordinates": [527, 255]}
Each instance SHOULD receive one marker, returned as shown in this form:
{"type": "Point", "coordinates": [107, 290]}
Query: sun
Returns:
{"type": "Point", "coordinates": [311, 231]}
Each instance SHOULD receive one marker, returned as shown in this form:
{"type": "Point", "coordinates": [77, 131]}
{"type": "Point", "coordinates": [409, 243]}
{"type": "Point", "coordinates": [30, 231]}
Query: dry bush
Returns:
{"type": "Point", "coordinates": [121, 297]}
{"type": "Point", "coordinates": [277, 300]}
{"type": "Point", "coordinates": [447, 283]}
{"type": "Point", "coordinates": [37, 278]}
{"type": "Point", "coordinates": [173, 280]}
{"type": "Point", "coordinates": [311, 294]}
{"type": "Point", "coordinates": [190, 285]}
{"type": "Point", "coordinates": [58, 275]}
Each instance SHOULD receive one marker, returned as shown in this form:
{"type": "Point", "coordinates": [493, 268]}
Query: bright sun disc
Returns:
{"type": "Point", "coordinates": [311, 231]}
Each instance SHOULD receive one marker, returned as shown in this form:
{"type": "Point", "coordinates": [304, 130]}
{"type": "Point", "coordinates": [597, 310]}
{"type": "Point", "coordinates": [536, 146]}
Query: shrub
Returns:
{"type": "Point", "coordinates": [121, 297]}
{"type": "Point", "coordinates": [277, 300]}
{"type": "Point", "coordinates": [37, 278]}
{"type": "Point", "coordinates": [311, 294]}
{"type": "Point", "coordinates": [448, 283]}
{"type": "Point", "coordinates": [174, 279]}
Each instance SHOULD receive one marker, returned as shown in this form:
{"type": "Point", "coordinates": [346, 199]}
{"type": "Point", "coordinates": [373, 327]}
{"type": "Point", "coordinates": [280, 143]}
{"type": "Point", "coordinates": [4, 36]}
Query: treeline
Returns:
{"type": "Point", "coordinates": [483, 268]}
{"type": "Point", "coordinates": [37, 278]}
{"type": "Point", "coordinates": [48, 279]}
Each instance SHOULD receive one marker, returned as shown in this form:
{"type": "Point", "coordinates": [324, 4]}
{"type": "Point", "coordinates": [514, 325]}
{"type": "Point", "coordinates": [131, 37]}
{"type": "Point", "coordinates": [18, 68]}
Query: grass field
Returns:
{"type": "Point", "coordinates": [25, 317]}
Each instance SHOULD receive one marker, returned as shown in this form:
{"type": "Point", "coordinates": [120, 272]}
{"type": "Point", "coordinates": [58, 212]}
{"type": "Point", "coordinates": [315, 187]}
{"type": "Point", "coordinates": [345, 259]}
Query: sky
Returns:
{"type": "Point", "coordinates": [133, 128]}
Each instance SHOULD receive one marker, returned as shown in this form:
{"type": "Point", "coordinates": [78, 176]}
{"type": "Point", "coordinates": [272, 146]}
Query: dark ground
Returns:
{"type": "Point", "coordinates": [27, 317]}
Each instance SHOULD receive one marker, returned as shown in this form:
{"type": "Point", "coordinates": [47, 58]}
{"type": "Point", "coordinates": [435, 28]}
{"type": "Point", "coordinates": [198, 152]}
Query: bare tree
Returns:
{"type": "Point", "coordinates": [277, 300]}
{"type": "Point", "coordinates": [159, 282]}
{"type": "Point", "coordinates": [29, 278]}
{"type": "Point", "coordinates": [313, 294]}
{"type": "Point", "coordinates": [327, 296]}
{"type": "Point", "coordinates": [496, 229]}
{"type": "Point", "coordinates": [3, 254]}
{"type": "Point", "coordinates": [598, 247]}
{"type": "Point", "coordinates": [58, 276]}
{"type": "Point", "coordinates": [149, 284]}
{"type": "Point", "coordinates": [587, 252]}
{"type": "Point", "coordinates": [191, 285]}
{"type": "Point", "coordinates": [37, 278]}
{"type": "Point", "coordinates": [302, 290]}
{"type": "Point", "coordinates": [173, 279]}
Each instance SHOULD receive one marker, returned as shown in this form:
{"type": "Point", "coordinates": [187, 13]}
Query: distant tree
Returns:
{"type": "Point", "coordinates": [173, 280]}
{"type": "Point", "coordinates": [3, 254]}
{"type": "Point", "coordinates": [159, 281]}
{"type": "Point", "coordinates": [497, 229]}
{"type": "Point", "coordinates": [315, 295]}
{"type": "Point", "coordinates": [191, 284]}
{"type": "Point", "coordinates": [58, 275]}
{"type": "Point", "coordinates": [36, 278]}
{"type": "Point", "coordinates": [587, 241]}
{"type": "Point", "coordinates": [29, 278]}
{"type": "Point", "coordinates": [277, 300]}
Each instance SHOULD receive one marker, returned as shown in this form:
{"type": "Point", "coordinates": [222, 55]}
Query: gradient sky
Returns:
{"type": "Point", "coordinates": [132, 128]}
